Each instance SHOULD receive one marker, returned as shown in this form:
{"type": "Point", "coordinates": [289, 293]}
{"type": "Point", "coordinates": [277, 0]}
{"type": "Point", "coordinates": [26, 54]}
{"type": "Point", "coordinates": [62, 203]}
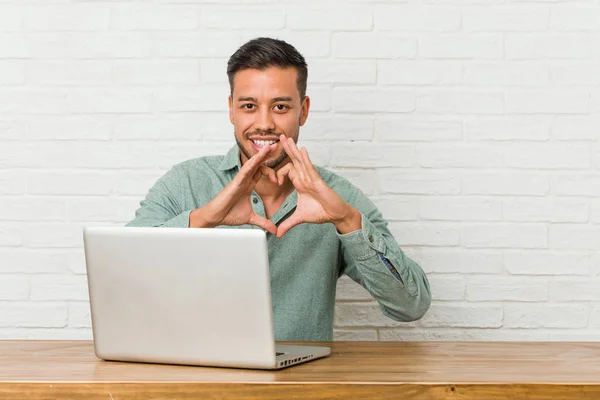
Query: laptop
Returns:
{"type": "Point", "coordinates": [185, 296]}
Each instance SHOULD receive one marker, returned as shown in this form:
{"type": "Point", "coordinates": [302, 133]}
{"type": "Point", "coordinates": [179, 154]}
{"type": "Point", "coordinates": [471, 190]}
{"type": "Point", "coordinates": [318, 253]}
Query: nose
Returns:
{"type": "Point", "coordinates": [264, 120]}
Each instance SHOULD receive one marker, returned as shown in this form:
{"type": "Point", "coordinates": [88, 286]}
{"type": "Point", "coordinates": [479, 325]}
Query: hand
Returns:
{"type": "Point", "coordinates": [232, 205]}
{"type": "Point", "coordinates": [317, 202]}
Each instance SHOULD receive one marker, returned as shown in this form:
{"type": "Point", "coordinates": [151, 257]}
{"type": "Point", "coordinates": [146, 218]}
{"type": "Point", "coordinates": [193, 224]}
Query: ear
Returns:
{"type": "Point", "coordinates": [305, 109]}
{"type": "Point", "coordinates": [230, 101]}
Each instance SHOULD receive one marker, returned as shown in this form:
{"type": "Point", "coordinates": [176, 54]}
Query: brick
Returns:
{"type": "Point", "coordinates": [548, 156]}
{"type": "Point", "coordinates": [347, 289]}
{"type": "Point", "coordinates": [321, 98]}
{"type": "Point", "coordinates": [573, 336]}
{"type": "Point", "coordinates": [373, 45]}
{"type": "Point", "coordinates": [72, 17]}
{"type": "Point", "coordinates": [505, 236]}
{"type": "Point", "coordinates": [46, 261]}
{"type": "Point", "coordinates": [546, 262]}
{"type": "Point", "coordinates": [11, 18]}
{"type": "Point", "coordinates": [459, 156]}
{"type": "Point", "coordinates": [80, 315]}
{"type": "Point", "coordinates": [596, 319]}
{"type": "Point", "coordinates": [460, 209]}
{"type": "Point", "coordinates": [396, 182]}
{"type": "Point", "coordinates": [118, 155]}
{"type": "Point", "coordinates": [144, 72]}
{"type": "Point", "coordinates": [111, 45]}
{"type": "Point", "coordinates": [236, 17]}
{"type": "Point", "coordinates": [214, 70]}
{"type": "Point", "coordinates": [83, 127]}
{"type": "Point", "coordinates": [398, 208]}
{"type": "Point", "coordinates": [355, 334]}
{"type": "Point", "coordinates": [419, 72]}
{"type": "Point", "coordinates": [12, 129]}
{"type": "Point", "coordinates": [372, 99]}
{"type": "Point", "coordinates": [574, 237]}
{"type": "Point", "coordinates": [409, 128]}
{"type": "Point", "coordinates": [506, 183]}
{"type": "Point", "coordinates": [576, 74]}
{"type": "Point", "coordinates": [545, 316]}
{"type": "Point", "coordinates": [536, 46]}
{"type": "Point", "coordinates": [150, 17]}
{"type": "Point", "coordinates": [461, 46]}
{"type": "Point", "coordinates": [12, 182]}
{"type": "Point", "coordinates": [338, 127]}
{"type": "Point", "coordinates": [522, 289]}
{"type": "Point", "coordinates": [548, 102]}
{"type": "Point", "coordinates": [575, 289]}
{"type": "Point", "coordinates": [70, 183]}
{"type": "Point", "coordinates": [545, 210]}
{"type": "Point", "coordinates": [425, 234]}
{"type": "Point", "coordinates": [58, 287]}
{"type": "Point", "coordinates": [447, 287]}
{"type": "Point", "coordinates": [460, 102]}
{"type": "Point", "coordinates": [102, 209]}
{"type": "Point", "coordinates": [12, 72]}
{"type": "Point", "coordinates": [334, 19]}
{"type": "Point", "coordinates": [197, 44]}
{"type": "Point", "coordinates": [135, 183]}
{"type": "Point", "coordinates": [508, 128]}
{"type": "Point", "coordinates": [34, 45]}
{"type": "Point", "coordinates": [11, 235]}
{"type": "Point", "coordinates": [31, 209]}
{"type": "Point", "coordinates": [14, 287]}
{"type": "Point", "coordinates": [342, 71]}
{"type": "Point", "coordinates": [595, 211]}
{"type": "Point", "coordinates": [576, 127]}
{"type": "Point", "coordinates": [417, 18]}
{"type": "Point", "coordinates": [33, 314]}
{"type": "Point", "coordinates": [52, 235]}
{"type": "Point", "coordinates": [28, 101]}
{"type": "Point", "coordinates": [124, 100]}
{"type": "Point", "coordinates": [460, 261]}
{"type": "Point", "coordinates": [471, 334]}
{"type": "Point", "coordinates": [199, 98]}
{"type": "Point", "coordinates": [364, 179]}
{"type": "Point", "coordinates": [580, 17]}
{"type": "Point", "coordinates": [372, 155]}
{"type": "Point", "coordinates": [514, 73]}
{"type": "Point", "coordinates": [361, 315]}
{"type": "Point", "coordinates": [505, 18]}
{"type": "Point", "coordinates": [463, 316]}
{"type": "Point", "coordinates": [170, 154]}
{"type": "Point", "coordinates": [585, 184]}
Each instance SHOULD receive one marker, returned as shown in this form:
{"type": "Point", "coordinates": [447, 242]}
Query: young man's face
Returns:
{"type": "Point", "coordinates": [264, 105]}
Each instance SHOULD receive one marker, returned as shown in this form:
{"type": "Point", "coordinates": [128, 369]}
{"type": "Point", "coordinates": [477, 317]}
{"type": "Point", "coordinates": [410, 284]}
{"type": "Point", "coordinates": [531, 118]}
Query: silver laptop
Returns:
{"type": "Point", "coordinates": [185, 296]}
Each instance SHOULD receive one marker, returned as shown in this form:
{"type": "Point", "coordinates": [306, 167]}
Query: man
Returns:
{"type": "Point", "coordinates": [319, 225]}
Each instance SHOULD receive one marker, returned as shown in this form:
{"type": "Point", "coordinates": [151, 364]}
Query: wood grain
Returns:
{"type": "Point", "coordinates": [357, 370]}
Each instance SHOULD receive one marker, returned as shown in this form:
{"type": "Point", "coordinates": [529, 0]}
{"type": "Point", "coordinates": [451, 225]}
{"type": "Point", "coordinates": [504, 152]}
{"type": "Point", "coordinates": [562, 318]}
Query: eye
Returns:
{"type": "Point", "coordinates": [281, 107]}
{"type": "Point", "coordinates": [248, 106]}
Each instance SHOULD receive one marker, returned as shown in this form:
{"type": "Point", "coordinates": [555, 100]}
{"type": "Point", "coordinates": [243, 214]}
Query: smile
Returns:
{"type": "Point", "coordinates": [262, 143]}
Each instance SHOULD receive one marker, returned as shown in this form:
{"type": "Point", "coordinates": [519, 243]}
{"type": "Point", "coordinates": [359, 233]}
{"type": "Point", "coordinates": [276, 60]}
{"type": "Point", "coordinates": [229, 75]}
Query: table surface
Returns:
{"type": "Point", "coordinates": [567, 367]}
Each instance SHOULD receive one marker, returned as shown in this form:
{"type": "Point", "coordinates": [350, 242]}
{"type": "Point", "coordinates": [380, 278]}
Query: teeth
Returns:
{"type": "Point", "coordinates": [263, 143]}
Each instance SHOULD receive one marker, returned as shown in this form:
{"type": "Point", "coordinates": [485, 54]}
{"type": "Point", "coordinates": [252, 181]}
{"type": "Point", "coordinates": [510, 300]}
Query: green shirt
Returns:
{"type": "Point", "coordinates": [307, 261]}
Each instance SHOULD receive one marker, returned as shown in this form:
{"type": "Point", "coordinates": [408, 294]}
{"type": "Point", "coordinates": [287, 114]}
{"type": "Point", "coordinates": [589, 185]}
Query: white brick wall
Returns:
{"type": "Point", "coordinates": [473, 126]}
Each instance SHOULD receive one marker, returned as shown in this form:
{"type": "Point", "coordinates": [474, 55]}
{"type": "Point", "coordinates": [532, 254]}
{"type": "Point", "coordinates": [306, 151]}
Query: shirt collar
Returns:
{"type": "Point", "coordinates": [231, 159]}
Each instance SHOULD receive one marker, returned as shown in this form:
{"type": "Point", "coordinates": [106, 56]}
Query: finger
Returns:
{"type": "Point", "coordinates": [310, 168]}
{"type": "Point", "coordinates": [288, 224]}
{"type": "Point", "coordinates": [263, 223]}
{"type": "Point", "coordinates": [288, 149]}
{"type": "Point", "coordinates": [269, 173]}
{"type": "Point", "coordinates": [283, 172]}
{"type": "Point", "coordinates": [252, 165]}
{"type": "Point", "coordinates": [298, 157]}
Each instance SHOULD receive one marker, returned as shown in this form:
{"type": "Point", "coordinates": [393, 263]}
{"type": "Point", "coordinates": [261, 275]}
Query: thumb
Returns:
{"type": "Point", "coordinates": [264, 223]}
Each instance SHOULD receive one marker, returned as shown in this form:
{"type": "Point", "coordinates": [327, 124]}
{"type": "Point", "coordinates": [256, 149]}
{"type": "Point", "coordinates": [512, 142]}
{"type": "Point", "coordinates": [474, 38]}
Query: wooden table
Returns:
{"type": "Point", "coordinates": [355, 370]}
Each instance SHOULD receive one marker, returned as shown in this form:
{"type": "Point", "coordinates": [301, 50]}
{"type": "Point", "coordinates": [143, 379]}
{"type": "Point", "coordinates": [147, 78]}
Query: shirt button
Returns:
{"type": "Point", "coordinates": [371, 239]}
{"type": "Point", "coordinates": [255, 200]}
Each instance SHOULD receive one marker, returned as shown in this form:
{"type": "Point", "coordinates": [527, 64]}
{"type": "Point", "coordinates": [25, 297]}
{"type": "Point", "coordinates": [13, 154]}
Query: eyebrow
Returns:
{"type": "Point", "coordinates": [276, 99]}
